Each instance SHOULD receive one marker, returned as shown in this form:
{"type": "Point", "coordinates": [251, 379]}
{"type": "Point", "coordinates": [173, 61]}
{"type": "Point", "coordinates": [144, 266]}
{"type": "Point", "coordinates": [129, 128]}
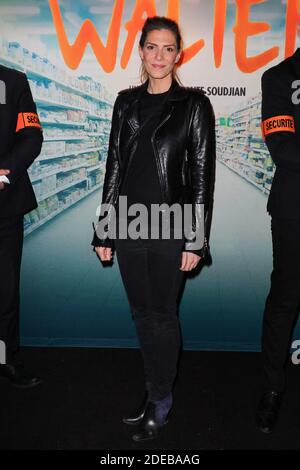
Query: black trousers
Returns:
{"type": "Point", "coordinates": [282, 303]}
{"type": "Point", "coordinates": [11, 244]}
{"type": "Point", "coordinates": [152, 280]}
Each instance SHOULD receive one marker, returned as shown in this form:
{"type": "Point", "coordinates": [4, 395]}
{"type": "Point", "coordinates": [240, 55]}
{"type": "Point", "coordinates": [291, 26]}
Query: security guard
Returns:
{"type": "Point", "coordinates": [21, 140]}
{"type": "Point", "coordinates": [281, 131]}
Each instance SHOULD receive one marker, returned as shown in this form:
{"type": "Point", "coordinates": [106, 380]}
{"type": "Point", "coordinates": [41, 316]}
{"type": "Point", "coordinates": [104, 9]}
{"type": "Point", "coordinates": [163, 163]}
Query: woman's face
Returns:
{"type": "Point", "coordinates": [159, 53]}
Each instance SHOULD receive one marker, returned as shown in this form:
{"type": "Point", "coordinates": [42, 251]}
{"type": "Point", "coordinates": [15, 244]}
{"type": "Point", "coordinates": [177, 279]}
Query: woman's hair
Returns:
{"type": "Point", "coordinates": [160, 22]}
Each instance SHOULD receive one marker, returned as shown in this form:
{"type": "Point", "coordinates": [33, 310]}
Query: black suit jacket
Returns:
{"type": "Point", "coordinates": [21, 140]}
{"type": "Point", "coordinates": [281, 129]}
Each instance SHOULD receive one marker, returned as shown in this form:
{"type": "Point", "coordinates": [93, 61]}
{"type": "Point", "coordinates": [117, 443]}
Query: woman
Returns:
{"type": "Point", "coordinates": [161, 150]}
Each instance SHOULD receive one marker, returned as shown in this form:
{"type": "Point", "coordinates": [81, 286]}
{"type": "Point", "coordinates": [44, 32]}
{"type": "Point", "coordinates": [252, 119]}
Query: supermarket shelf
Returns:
{"type": "Point", "coordinates": [249, 106]}
{"type": "Point", "coordinates": [59, 189]}
{"type": "Point", "coordinates": [61, 137]}
{"type": "Point", "coordinates": [240, 173]}
{"type": "Point", "coordinates": [255, 168]}
{"type": "Point", "coordinates": [56, 104]}
{"type": "Point", "coordinates": [93, 168]}
{"type": "Point", "coordinates": [62, 124]}
{"type": "Point", "coordinates": [247, 163]}
{"type": "Point", "coordinates": [56, 171]}
{"type": "Point", "coordinates": [243, 147]}
{"type": "Point", "coordinates": [38, 74]}
{"type": "Point", "coordinates": [255, 149]}
{"type": "Point", "coordinates": [41, 222]}
{"type": "Point", "coordinates": [11, 63]}
{"type": "Point", "coordinates": [241, 151]}
{"type": "Point", "coordinates": [90, 116]}
{"type": "Point", "coordinates": [69, 154]}
{"type": "Point", "coordinates": [256, 116]}
{"type": "Point", "coordinates": [100, 118]}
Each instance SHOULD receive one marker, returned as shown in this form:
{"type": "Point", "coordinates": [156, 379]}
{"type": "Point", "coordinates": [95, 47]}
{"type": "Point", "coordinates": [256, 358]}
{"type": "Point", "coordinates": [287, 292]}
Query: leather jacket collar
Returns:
{"type": "Point", "coordinates": [177, 92]}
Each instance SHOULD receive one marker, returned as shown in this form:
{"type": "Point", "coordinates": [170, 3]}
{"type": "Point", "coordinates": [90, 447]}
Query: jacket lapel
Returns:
{"type": "Point", "coordinates": [133, 117]}
{"type": "Point", "coordinates": [132, 113]}
{"type": "Point", "coordinates": [165, 113]}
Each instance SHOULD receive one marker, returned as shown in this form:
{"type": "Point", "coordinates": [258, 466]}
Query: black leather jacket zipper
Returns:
{"type": "Point", "coordinates": [160, 175]}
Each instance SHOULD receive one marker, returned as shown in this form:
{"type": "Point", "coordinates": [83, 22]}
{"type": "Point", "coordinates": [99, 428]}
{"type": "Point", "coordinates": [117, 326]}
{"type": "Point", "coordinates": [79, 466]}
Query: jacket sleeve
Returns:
{"type": "Point", "coordinates": [278, 124]}
{"type": "Point", "coordinates": [29, 136]}
{"type": "Point", "coordinates": [201, 159]}
{"type": "Point", "coordinates": [111, 179]}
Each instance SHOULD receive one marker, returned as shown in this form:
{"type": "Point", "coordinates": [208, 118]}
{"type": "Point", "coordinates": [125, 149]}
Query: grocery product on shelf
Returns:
{"type": "Point", "coordinates": [75, 113]}
{"type": "Point", "coordinates": [240, 145]}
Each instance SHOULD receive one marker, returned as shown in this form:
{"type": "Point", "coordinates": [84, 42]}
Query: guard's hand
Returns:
{"type": "Point", "coordinates": [104, 253]}
{"type": "Point", "coordinates": [189, 261]}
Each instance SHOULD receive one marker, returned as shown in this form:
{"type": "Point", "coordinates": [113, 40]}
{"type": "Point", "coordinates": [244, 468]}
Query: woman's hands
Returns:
{"type": "Point", "coordinates": [104, 253]}
{"type": "Point", "coordinates": [189, 261]}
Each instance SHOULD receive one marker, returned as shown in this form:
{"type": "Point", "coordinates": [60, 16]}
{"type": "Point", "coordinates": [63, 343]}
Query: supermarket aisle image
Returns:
{"type": "Point", "coordinates": [70, 298]}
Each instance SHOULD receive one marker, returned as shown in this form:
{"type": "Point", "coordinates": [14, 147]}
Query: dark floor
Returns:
{"type": "Point", "coordinates": [87, 391]}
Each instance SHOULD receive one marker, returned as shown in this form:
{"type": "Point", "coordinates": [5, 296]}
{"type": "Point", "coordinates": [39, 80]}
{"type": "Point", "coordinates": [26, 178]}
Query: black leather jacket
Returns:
{"type": "Point", "coordinates": [184, 148]}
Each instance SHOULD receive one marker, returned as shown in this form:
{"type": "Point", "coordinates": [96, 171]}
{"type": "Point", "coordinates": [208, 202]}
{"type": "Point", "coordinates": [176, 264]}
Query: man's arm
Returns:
{"type": "Point", "coordinates": [278, 122]}
{"type": "Point", "coordinates": [29, 136]}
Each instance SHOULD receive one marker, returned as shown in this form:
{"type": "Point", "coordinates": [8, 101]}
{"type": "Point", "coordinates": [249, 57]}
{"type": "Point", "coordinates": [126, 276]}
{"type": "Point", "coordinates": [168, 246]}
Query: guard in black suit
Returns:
{"type": "Point", "coordinates": [21, 140]}
{"type": "Point", "coordinates": [281, 131]}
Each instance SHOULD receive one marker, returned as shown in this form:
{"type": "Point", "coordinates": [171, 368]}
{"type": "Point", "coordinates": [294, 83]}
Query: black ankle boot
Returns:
{"type": "Point", "coordinates": [18, 377]}
{"type": "Point", "coordinates": [137, 415]}
{"type": "Point", "coordinates": [151, 425]}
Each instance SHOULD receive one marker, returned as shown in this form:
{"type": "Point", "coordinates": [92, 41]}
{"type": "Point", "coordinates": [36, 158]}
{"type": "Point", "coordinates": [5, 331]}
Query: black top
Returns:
{"type": "Point", "coordinates": [142, 182]}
